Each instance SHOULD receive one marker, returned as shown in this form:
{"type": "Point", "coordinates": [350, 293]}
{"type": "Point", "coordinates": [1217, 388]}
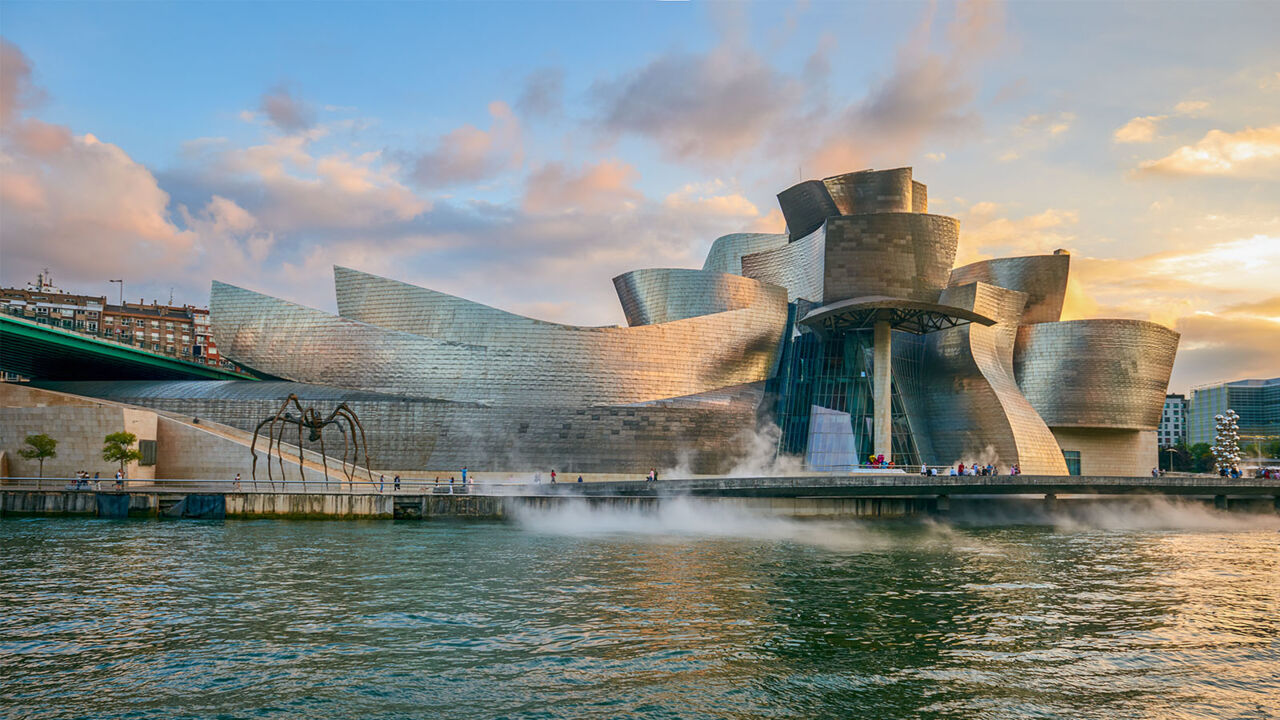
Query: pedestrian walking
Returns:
{"type": "Point", "coordinates": [237, 485]}
{"type": "Point", "coordinates": [382, 482]}
{"type": "Point", "coordinates": [579, 478]}
{"type": "Point", "coordinates": [397, 483]}
{"type": "Point", "coordinates": [553, 477]}
{"type": "Point", "coordinates": [464, 474]}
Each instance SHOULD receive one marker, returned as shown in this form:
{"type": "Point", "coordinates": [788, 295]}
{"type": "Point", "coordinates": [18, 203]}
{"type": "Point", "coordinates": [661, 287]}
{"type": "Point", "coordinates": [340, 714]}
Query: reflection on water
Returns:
{"type": "Point", "coordinates": [689, 612]}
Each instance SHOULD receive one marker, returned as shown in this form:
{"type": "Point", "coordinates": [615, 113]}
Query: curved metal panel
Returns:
{"type": "Point", "coordinates": [726, 252]}
{"type": "Point", "coordinates": [658, 295]}
{"type": "Point", "coordinates": [797, 266]}
{"type": "Point", "coordinates": [873, 191]}
{"type": "Point", "coordinates": [481, 357]}
{"type": "Point", "coordinates": [1042, 277]}
{"type": "Point", "coordinates": [976, 411]}
{"type": "Point", "coordinates": [806, 205]}
{"type": "Point", "coordinates": [1099, 373]}
{"type": "Point", "coordinates": [904, 255]}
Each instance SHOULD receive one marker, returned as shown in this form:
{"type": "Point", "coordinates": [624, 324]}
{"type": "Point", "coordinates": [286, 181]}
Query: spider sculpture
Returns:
{"type": "Point", "coordinates": [343, 418]}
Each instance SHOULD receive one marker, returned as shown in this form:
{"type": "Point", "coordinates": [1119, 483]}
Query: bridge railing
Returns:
{"type": "Point", "coordinates": [359, 486]}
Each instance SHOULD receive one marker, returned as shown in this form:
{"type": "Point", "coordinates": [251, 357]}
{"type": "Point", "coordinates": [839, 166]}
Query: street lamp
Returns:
{"type": "Point", "coordinates": [121, 281]}
{"type": "Point", "coordinates": [1171, 450]}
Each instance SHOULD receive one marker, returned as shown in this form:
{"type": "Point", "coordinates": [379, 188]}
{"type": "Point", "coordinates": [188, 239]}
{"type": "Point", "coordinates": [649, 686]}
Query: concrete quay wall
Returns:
{"type": "Point", "coordinates": [338, 506]}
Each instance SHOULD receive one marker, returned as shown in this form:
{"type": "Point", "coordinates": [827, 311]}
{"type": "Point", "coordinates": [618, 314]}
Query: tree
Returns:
{"type": "Point", "coordinates": [42, 447]}
{"type": "Point", "coordinates": [119, 448]}
{"type": "Point", "coordinates": [1201, 457]}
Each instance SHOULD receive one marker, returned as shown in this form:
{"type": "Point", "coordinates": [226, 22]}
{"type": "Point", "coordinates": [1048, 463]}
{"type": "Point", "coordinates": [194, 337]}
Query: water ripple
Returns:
{"type": "Point", "coordinates": [268, 619]}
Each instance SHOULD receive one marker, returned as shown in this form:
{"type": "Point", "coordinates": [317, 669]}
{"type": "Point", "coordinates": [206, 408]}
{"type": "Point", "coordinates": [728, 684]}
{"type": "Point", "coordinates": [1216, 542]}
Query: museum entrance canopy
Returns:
{"type": "Point", "coordinates": [901, 314]}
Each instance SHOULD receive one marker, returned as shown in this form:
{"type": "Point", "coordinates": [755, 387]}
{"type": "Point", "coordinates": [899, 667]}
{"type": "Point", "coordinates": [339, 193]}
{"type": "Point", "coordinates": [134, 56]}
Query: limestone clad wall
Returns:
{"type": "Point", "coordinates": [1105, 451]}
{"type": "Point", "coordinates": [78, 424]}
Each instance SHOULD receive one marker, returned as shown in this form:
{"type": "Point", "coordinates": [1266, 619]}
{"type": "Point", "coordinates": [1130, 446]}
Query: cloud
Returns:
{"type": "Point", "coordinates": [986, 231]}
{"type": "Point", "coordinates": [698, 107]}
{"type": "Point", "coordinates": [469, 154]}
{"type": "Point", "coordinates": [1048, 123]}
{"type": "Point", "coordinates": [16, 88]}
{"type": "Point", "coordinates": [1139, 129]}
{"type": "Point", "coordinates": [287, 112]}
{"type": "Point", "coordinates": [1190, 107]}
{"type": "Point", "coordinates": [1224, 346]}
{"type": "Point", "coordinates": [1248, 153]}
{"type": "Point", "coordinates": [61, 201]}
{"type": "Point", "coordinates": [543, 93]}
{"type": "Point", "coordinates": [601, 187]}
{"type": "Point", "coordinates": [926, 94]}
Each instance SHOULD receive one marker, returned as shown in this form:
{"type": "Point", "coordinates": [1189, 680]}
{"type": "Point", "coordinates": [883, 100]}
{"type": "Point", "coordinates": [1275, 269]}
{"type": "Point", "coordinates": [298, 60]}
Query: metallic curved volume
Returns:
{"type": "Point", "coordinates": [659, 295]}
{"type": "Point", "coordinates": [469, 354]}
{"type": "Point", "coordinates": [727, 251]}
{"type": "Point", "coordinates": [976, 411]}
{"type": "Point", "coordinates": [1096, 373]}
{"type": "Point", "coordinates": [1042, 277]}
{"type": "Point", "coordinates": [906, 255]}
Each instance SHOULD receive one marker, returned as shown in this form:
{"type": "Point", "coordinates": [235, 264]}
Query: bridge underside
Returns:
{"type": "Point", "coordinates": [41, 352]}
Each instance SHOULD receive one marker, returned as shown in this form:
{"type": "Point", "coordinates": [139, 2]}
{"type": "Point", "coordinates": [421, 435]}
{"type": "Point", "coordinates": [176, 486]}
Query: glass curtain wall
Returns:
{"type": "Point", "coordinates": [824, 401]}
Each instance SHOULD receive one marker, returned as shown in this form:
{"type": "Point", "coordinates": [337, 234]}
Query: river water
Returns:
{"type": "Point", "coordinates": [1162, 612]}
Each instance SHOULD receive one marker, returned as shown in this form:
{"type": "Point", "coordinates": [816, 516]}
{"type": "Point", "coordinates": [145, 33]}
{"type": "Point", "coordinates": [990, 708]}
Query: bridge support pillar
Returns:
{"type": "Point", "coordinates": [1220, 502]}
{"type": "Point", "coordinates": [942, 505]}
{"type": "Point", "coordinates": [1275, 502]}
{"type": "Point", "coordinates": [1050, 502]}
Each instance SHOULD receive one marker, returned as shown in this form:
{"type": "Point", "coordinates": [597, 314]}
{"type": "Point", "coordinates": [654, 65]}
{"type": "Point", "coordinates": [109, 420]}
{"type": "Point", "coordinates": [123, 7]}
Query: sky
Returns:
{"type": "Point", "coordinates": [523, 154]}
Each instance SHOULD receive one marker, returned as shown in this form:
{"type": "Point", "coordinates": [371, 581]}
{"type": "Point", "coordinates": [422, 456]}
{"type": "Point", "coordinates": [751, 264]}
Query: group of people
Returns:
{"type": "Point", "coordinates": [974, 469]}
{"type": "Point", "coordinates": [84, 481]}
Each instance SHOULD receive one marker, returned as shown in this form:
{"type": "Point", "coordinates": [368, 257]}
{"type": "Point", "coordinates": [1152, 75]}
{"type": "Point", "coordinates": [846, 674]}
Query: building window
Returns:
{"type": "Point", "coordinates": [155, 346]}
{"type": "Point", "coordinates": [93, 326]}
{"type": "Point", "coordinates": [1073, 461]}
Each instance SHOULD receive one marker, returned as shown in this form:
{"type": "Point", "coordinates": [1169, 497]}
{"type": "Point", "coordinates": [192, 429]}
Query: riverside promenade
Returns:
{"type": "Point", "coordinates": [879, 495]}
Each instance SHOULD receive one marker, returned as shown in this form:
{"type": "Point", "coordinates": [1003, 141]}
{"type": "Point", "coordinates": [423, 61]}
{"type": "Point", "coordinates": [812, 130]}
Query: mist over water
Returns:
{"type": "Point", "coordinates": [685, 609]}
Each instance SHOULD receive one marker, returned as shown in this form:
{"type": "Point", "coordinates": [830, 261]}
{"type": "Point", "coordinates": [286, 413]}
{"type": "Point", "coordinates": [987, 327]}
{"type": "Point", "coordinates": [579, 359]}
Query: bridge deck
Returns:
{"type": "Point", "coordinates": [910, 486]}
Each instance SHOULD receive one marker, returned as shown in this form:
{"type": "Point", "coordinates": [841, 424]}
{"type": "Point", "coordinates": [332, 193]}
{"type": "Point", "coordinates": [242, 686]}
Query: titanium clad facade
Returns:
{"type": "Point", "coordinates": [661, 295]}
{"type": "Point", "coordinates": [806, 206]}
{"type": "Point", "coordinates": [873, 191]}
{"type": "Point", "coordinates": [976, 411]}
{"type": "Point", "coordinates": [1042, 277]}
{"type": "Point", "coordinates": [514, 364]}
{"type": "Point", "coordinates": [450, 382]}
{"type": "Point", "coordinates": [727, 251]}
{"type": "Point", "coordinates": [797, 266]}
{"type": "Point", "coordinates": [1096, 373]}
{"type": "Point", "coordinates": [904, 255]}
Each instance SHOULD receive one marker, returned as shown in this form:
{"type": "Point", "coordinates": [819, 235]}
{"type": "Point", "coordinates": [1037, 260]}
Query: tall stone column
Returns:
{"type": "Point", "coordinates": [882, 402]}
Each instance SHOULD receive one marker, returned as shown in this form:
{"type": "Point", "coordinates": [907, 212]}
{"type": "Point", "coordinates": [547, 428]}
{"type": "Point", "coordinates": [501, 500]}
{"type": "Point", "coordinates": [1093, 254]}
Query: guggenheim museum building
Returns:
{"type": "Point", "coordinates": [849, 335]}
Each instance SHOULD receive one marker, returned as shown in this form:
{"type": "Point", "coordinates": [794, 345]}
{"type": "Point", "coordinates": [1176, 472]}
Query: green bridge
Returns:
{"type": "Point", "coordinates": [43, 352]}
